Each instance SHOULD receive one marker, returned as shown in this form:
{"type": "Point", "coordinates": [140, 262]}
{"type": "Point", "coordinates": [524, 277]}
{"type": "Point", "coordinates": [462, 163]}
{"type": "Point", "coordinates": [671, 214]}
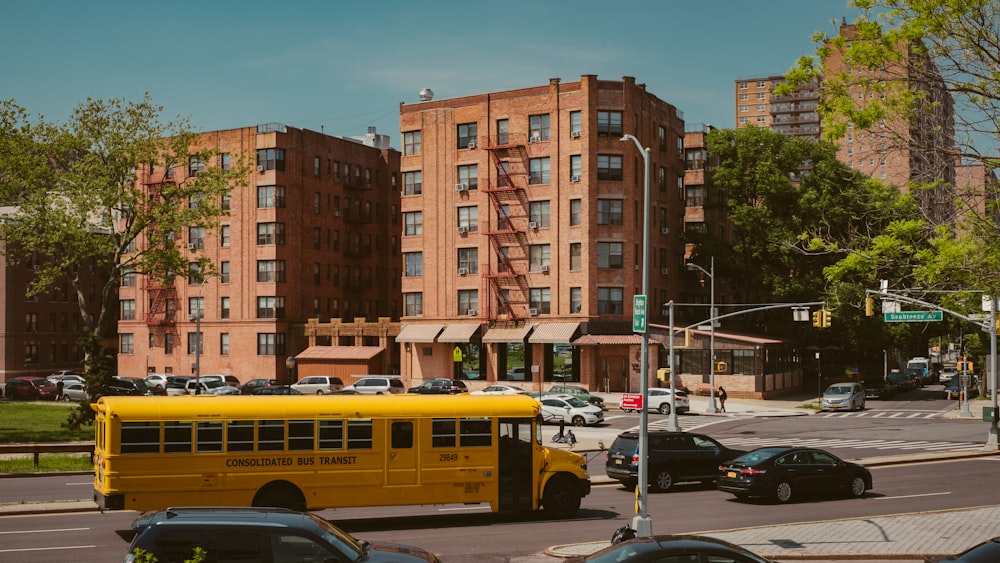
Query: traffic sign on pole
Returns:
{"type": "Point", "coordinates": [639, 313]}
{"type": "Point", "coordinates": [913, 316]}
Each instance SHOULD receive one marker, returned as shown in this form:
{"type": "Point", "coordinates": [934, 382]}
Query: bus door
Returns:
{"type": "Point", "coordinates": [401, 465]}
{"type": "Point", "coordinates": [516, 479]}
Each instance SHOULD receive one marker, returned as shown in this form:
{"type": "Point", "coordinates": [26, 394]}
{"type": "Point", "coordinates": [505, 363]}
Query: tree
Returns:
{"type": "Point", "coordinates": [78, 206]}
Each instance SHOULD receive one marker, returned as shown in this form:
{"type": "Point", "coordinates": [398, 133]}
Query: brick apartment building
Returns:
{"type": "Point", "coordinates": [313, 235]}
{"type": "Point", "coordinates": [522, 232]}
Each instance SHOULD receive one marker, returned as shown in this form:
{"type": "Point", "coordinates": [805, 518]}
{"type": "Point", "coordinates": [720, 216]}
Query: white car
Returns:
{"type": "Point", "coordinates": [377, 386]}
{"type": "Point", "coordinates": [157, 380]}
{"type": "Point", "coordinates": [318, 384]}
{"type": "Point", "coordinates": [570, 410]}
{"type": "Point", "coordinates": [210, 386]}
{"type": "Point", "coordinates": [843, 396]}
{"type": "Point", "coordinates": [946, 374]}
{"type": "Point", "coordinates": [659, 401]}
{"type": "Point", "coordinates": [66, 378]}
{"type": "Point", "coordinates": [500, 390]}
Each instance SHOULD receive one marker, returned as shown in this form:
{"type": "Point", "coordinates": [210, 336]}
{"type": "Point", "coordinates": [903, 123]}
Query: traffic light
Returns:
{"type": "Point", "coordinates": [662, 374]}
{"type": "Point", "coordinates": [869, 307]}
{"type": "Point", "coordinates": [827, 317]}
{"type": "Point", "coordinates": [818, 318]}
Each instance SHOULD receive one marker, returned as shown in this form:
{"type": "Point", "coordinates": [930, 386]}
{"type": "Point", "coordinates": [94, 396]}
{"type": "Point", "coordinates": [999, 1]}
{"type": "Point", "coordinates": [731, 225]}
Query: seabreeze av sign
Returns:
{"type": "Point", "coordinates": [913, 316]}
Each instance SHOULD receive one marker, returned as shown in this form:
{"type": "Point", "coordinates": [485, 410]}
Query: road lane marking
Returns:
{"type": "Point", "coordinates": [47, 531]}
{"type": "Point", "coordinates": [47, 548]}
{"type": "Point", "coordinates": [914, 496]}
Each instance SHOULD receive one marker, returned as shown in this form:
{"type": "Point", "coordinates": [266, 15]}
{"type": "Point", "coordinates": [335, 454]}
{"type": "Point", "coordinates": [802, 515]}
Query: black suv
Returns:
{"type": "Point", "coordinates": [128, 386]}
{"type": "Point", "coordinates": [673, 457]}
{"type": "Point", "coordinates": [255, 534]}
{"type": "Point", "coordinates": [440, 386]}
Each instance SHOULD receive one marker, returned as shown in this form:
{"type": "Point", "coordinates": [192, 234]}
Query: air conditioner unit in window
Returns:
{"type": "Point", "coordinates": [575, 134]}
{"type": "Point", "coordinates": [532, 225]}
{"type": "Point", "coordinates": [534, 139]}
{"type": "Point", "coordinates": [545, 269]}
{"type": "Point", "coordinates": [472, 144]}
{"type": "Point", "coordinates": [463, 271]}
{"type": "Point", "coordinates": [463, 230]}
{"type": "Point", "coordinates": [664, 271]}
{"type": "Point", "coordinates": [260, 168]}
{"type": "Point", "coordinates": [574, 178]}
{"type": "Point", "coordinates": [473, 312]}
{"type": "Point", "coordinates": [664, 230]}
{"type": "Point", "coordinates": [192, 246]}
{"type": "Point", "coordinates": [461, 187]}
{"type": "Point", "coordinates": [532, 312]}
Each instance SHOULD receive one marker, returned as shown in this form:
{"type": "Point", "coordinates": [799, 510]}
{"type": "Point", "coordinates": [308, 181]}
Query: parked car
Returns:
{"type": "Point", "coordinates": [784, 474]}
{"type": "Point", "coordinates": [440, 386]}
{"type": "Point", "coordinates": [377, 386]}
{"type": "Point", "coordinates": [66, 378]}
{"type": "Point", "coordinates": [31, 388]}
{"type": "Point", "coordinates": [516, 374]}
{"type": "Point", "coordinates": [953, 390]}
{"type": "Point", "coordinates": [675, 548]}
{"type": "Point", "coordinates": [986, 552]}
{"type": "Point", "coordinates": [578, 392]}
{"type": "Point", "coordinates": [659, 401]}
{"type": "Point", "coordinates": [946, 373]}
{"type": "Point", "coordinates": [844, 396]}
{"type": "Point", "coordinates": [275, 390]}
{"type": "Point", "coordinates": [248, 387]}
{"type": "Point", "coordinates": [75, 392]}
{"type": "Point", "coordinates": [567, 409]}
{"type": "Point", "coordinates": [500, 390]}
{"type": "Point", "coordinates": [899, 381]}
{"type": "Point", "coordinates": [673, 457]}
{"type": "Point", "coordinates": [877, 388]}
{"type": "Point", "coordinates": [318, 384]}
{"type": "Point", "coordinates": [209, 386]}
{"type": "Point", "coordinates": [915, 376]}
{"type": "Point", "coordinates": [255, 534]}
{"type": "Point", "coordinates": [157, 382]}
{"type": "Point", "coordinates": [177, 384]}
{"type": "Point", "coordinates": [133, 386]}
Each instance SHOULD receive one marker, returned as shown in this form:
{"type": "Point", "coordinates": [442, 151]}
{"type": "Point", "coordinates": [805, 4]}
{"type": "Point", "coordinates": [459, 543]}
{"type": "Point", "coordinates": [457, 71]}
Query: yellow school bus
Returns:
{"type": "Point", "coordinates": [331, 451]}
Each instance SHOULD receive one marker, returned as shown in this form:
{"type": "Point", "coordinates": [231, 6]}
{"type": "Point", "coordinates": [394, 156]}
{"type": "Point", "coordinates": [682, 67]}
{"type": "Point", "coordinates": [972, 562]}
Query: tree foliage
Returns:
{"type": "Point", "coordinates": [78, 209]}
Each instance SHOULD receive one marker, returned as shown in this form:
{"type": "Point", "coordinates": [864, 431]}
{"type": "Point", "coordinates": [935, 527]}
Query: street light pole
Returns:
{"type": "Point", "coordinates": [642, 524]}
{"type": "Point", "coordinates": [197, 352]}
{"type": "Point", "coordinates": [712, 409]}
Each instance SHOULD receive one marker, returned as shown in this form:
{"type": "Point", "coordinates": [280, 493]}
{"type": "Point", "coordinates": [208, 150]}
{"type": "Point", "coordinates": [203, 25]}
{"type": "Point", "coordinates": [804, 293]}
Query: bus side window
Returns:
{"type": "Point", "coordinates": [443, 433]}
{"type": "Point", "coordinates": [402, 435]}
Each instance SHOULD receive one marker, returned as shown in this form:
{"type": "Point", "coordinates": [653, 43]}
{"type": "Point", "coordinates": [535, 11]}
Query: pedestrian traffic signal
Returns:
{"type": "Point", "coordinates": [869, 307]}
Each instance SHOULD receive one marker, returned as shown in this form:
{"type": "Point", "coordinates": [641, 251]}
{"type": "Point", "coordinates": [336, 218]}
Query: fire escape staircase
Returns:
{"type": "Point", "coordinates": [162, 314]}
{"type": "Point", "coordinates": [508, 284]}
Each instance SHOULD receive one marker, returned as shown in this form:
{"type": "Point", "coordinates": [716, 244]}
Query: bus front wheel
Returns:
{"type": "Point", "coordinates": [280, 494]}
{"type": "Point", "coordinates": [561, 498]}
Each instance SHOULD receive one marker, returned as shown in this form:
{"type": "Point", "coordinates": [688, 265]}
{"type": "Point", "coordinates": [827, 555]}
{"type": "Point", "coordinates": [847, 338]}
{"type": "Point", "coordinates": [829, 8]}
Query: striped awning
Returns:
{"type": "Point", "coordinates": [554, 333]}
{"type": "Point", "coordinates": [418, 332]}
{"type": "Point", "coordinates": [458, 332]}
{"type": "Point", "coordinates": [495, 335]}
{"type": "Point", "coordinates": [608, 339]}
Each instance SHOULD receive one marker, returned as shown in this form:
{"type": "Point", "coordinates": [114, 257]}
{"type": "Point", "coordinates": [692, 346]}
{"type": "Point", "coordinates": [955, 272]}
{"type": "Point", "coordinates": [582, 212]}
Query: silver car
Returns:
{"type": "Point", "coordinates": [847, 396]}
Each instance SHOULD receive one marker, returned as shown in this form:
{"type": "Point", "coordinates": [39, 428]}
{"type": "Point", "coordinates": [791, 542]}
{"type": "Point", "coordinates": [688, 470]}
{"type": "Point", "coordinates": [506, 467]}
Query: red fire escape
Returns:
{"type": "Point", "coordinates": [161, 318]}
{"type": "Point", "coordinates": [508, 283]}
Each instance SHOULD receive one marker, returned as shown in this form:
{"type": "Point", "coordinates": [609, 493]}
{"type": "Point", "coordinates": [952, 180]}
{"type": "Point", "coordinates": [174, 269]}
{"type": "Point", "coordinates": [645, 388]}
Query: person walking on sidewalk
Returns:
{"type": "Point", "coordinates": [722, 399]}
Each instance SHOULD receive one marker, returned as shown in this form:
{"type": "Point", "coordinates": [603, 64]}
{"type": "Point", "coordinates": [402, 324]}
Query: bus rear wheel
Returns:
{"type": "Point", "coordinates": [280, 494]}
{"type": "Point", "coordinates": [561, 498]}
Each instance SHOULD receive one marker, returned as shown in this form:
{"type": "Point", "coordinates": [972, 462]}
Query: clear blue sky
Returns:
{"type": "Point", "coordinates": [345, 65]}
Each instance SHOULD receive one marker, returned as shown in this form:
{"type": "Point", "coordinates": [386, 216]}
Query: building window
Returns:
{"type": "Point", "coordinates": [270, 196]}
{"type": "Point", "coordinates": [609, 255]}
{"type": "Point", "coordinates": [195, 342]}
{"type": "Point", "coordinates": [468, 302]}
{"type": "Point", "coordinates": [503, 126]}
{"type": "Point", "coordinates": [413, 223]}
{"type": "Point", "coordinates": [538, 170]}
{"type": "Point", "coordinates": [468, 174]}
{"type": "Point", "coordinates": [609, 301]}
{"type": "Point", "coordinates": [575, 300]}
{"type": "Point", "coordinates": [468, 259]}
{"type": "Point", "coordinates": [609, 167]}
{"type": "Point", "coordinates": [538, 213]}
{"type": "Point", "coordinates": [540, 299]}
{"type": "Point", "coordinates": [411, 143]}
{"type": "Point", "coordinates": [196, 275]}
{"type": "Point", "coordinates": [539, 256]}
{"type": "Point", "coordinates": [224, 272]}
{"type": "Point", "coordinates": [609, 212]}
{"type": "Point", "coordinates": [661, 135]}
{"type": "Point", "coordinates": [413, 183]}
{"type": "Point", "coordinates": [224, 344]}
{"type": "Point", "coordinates": [413, 264]}
{"type": "Point", "coordinates": [270, 307]}
{"type": "Point", "coordinates": [575, 123]}
{"type": "Point", "coordinates": [743, 85]}
{"type": "Point", "coordinates": [538, 127]}
{"type": "Point", "coordinates": [575, 212]}
{"type": "Point", "coordinates": [225, 235]}
{"type": "Point", "coordinates": [575, 256]}
{"type": "Point", "coordinates": [609, 123]}
{"type": "Point", "coordinates": [225, 160]}
{"type": "Point", "coordinates": [196, 308]}
{"type": "Point", "coordinates": [575, 168]}
{"type": "Point", "coordinates": [126, 345]}
{"type": "Point", "coordinates": [196, 238]}
{"type": "Point", "coordinates": [413, 303]}
{"type": "Point", "coordinates": [271, 159]}
{"type": "Point", "coordinates": [168, 343]}
{"type": "Point", "coordinates": [224, 308]}
{"type": "Point", "coordinates": [270, 270]}
{"type": "Point", "coordinates": [270, 344]}
{"type": "Point", "coordinates": [468, 217]}
{"type": "Point", "coordinates": [195, 165]}
{"type": "Point", "coordinates": [317, 166]}
{"type": "Point", "coordinates": [270, 233]}
{"type": "Point", "coordinates": [127, 312]}
{"type": "Point", "coordinates": [466, 134]}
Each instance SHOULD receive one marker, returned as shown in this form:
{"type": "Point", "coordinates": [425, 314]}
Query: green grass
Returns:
{"type": "Point", "coordinates": [39, 422]}
{"type": "Point", "coordinates": [47, 463]}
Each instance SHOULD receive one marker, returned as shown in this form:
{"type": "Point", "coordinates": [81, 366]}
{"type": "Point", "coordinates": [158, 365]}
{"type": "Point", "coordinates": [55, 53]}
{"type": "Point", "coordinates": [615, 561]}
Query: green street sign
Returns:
{"type": "Point", "coordinates": [639, 313]}
{"type": "Point", "coordinates": [913, 316]}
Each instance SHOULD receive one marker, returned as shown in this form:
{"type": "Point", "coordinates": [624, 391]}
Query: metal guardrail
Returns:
{"type": "Point", "coordinates": [39, 448]}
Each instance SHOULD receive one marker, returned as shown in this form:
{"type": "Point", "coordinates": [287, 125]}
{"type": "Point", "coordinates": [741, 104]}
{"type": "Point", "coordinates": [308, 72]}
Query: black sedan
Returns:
{"type": "Point", "coordinates": [986, 552]}
{"type": "Point", "coordinates": [784, 474]}
{"type": "Point", "coordinates": [275, 390]}
{"type": "Point", "coordinates": [672, 548]}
